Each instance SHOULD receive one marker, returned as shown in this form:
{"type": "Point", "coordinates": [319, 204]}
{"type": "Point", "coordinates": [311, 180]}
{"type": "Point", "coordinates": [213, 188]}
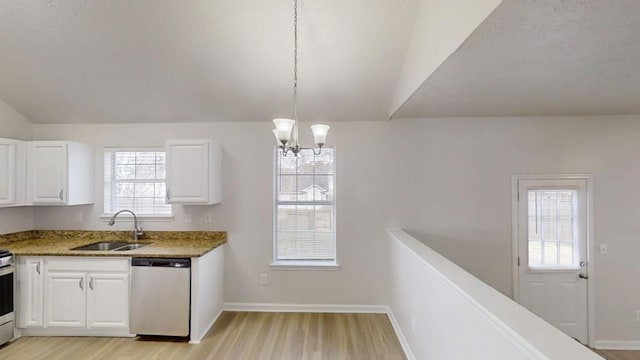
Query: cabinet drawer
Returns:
{"type": "Point", "coordinates": [87, 264]}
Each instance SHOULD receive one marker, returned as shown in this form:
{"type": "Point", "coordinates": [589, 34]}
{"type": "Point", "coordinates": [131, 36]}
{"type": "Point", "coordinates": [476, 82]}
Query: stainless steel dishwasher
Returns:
{"type": "Point", "coordinates": [160, 296]}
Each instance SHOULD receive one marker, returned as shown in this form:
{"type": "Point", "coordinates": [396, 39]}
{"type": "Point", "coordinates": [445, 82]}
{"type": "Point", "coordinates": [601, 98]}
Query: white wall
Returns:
{"type": "Point", "coordinates": [246, 211]}
{"type": "Point", "coordinates": [436, 304]}
{"type": "Point", "coordinates": [440, 27]}
{"type": "Point", "coordinates": [446, 181]}
{"type": "Point", "coordinates": [456, 196]}
{"type": "Point", "coordinates": [14, 126]}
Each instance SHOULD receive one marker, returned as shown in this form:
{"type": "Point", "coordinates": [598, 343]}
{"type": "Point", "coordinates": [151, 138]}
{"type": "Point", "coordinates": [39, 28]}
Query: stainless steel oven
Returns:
{"type": "Point", "coordinates": [7, 317]}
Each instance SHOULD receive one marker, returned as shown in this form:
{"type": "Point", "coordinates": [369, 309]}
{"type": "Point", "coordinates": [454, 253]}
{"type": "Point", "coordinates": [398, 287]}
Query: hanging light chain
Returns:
{"type": "Point", "coordinates": [286, 134]}
{"type": "Point", "coordinates": [295, 71]}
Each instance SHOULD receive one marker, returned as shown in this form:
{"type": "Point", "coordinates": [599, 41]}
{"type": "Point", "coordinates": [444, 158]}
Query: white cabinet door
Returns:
{"type": "Point", "coordinates": [193, 172]}
{"type": "Point", "coordinates": [47, 172]}
{"type": "Point", "coordinates": [7, 172]}
{"type": "Point", "coordinates": [108, 300]}
{"type": "Point", "coordinates": [66, 299]}
{"type": "Point", "coordinates": [30, 273]}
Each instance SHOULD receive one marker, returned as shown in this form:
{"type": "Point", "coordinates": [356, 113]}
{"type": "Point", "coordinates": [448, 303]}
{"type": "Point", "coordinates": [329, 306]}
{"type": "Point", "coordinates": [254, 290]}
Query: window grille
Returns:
{"type": "Point", "coordinates": [135, 180]}
{"type": "Point", "coordinates": [305, 206]}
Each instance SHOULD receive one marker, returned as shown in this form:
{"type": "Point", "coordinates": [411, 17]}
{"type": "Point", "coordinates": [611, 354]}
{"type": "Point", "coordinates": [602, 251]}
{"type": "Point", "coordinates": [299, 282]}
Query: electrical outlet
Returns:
{"type": "Point", "coordinates": [603, 249]}
{"type": "Point", "coordinates": [187, 219]}
{"type": "Point", "coordinates": [637, 315]}
{"type": "Point", "coordinates": [263, 279]}
{"type": "Point", "coordinates": [207, 217]}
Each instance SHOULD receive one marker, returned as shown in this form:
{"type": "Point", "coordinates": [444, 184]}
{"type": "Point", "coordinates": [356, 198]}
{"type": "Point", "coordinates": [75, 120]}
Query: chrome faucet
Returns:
{"type": "Point", "coordinates": [137, 232]}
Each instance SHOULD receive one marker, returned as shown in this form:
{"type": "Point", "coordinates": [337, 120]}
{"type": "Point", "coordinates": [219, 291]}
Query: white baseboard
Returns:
{"type": "Point", "coordinates": [403, 340]}
{"type": "Point", "coordinates": [75, 332]}
{"type": "Point", "coordinates": [616, 345]}
{"type": "Point", "coordinates": [318, 308]}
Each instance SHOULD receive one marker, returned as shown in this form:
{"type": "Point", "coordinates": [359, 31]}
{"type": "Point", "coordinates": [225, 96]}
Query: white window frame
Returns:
{"type": "Point", "coordinates": [309, 264]}
{"type": "Point", "coordinates": [126, 216]}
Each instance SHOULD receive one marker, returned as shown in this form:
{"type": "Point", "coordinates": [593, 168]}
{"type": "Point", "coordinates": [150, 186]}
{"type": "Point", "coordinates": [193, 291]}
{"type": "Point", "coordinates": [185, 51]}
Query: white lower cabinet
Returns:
{"type": "Point", "coordinates": [30, 275]}
{"type": "Point", "coordinates": [108, 301]}
{"type": "Point", "coordinates": [66, 299]}
{"type": "Point", "coordinates": [79, 293]}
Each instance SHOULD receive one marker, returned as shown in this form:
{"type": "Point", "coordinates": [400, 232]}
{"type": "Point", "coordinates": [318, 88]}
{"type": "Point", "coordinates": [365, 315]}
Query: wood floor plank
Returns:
{"type": "Point", "coordinates": [619, 354]}
{"type": "Point", "coordinates": [236, 336]}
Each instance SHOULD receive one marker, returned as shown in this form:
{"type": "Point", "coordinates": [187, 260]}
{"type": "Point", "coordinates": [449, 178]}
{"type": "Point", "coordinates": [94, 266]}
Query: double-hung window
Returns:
{"type": "Point", "coordinates": [135, 179]}
{"type": "Point", "coordinates": [305, 211]}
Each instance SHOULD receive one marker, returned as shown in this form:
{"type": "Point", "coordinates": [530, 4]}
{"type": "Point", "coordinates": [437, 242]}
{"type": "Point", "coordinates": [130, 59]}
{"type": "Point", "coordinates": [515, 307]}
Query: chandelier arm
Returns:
{"type": "Point", "coordinates": [319, 150]}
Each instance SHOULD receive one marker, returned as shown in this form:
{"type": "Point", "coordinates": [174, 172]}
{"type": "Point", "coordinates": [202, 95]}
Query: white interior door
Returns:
{"type": "Point", "coordinates": [552, 252]}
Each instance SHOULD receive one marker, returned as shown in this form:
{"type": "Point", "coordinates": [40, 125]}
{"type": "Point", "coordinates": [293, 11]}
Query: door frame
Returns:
{"type": "Point", "coordinates": [591, 311]}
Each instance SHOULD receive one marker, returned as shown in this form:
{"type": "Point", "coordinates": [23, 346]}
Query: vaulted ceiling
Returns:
{"type": "Point", "coordinates": [536, 58]}
{"type": "Point", "coordinates": [123, 61]}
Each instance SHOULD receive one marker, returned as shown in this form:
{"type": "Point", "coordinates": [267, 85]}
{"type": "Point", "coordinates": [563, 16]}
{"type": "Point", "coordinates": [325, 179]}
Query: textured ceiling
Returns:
{"type": "Point", "coordinates": [123, 61]}
{"type": "Point", "coordinates": [543, 57]}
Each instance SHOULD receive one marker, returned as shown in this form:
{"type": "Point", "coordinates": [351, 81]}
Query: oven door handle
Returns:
{"type": "Point", "coordinates": [7, 270]}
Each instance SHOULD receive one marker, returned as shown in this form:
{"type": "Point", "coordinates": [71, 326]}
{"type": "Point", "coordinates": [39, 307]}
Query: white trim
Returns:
{"type": "Point", "coordinates": [306, 308]}
{"type": "Point", "coordinates": [616, 345]}
{"type": "Point", "coordinates": [304, 265]}
{"type": "Point", "coordinates": [56, 331]}
{"type": "Point", "coordinates": [400, 335]}
{"type": "Point", "coordinates": [591, 311]}
{"type": "Point", "coordinates": [215, 318]}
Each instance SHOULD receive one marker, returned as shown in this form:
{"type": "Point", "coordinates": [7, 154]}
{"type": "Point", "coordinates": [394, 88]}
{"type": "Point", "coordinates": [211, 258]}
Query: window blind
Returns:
{"type": "Point", "coordinates": [552, 228]}
{"type": "Point", "coordinates": [135, 180]}
{"type": "Point", "coordinates": [305, 206]}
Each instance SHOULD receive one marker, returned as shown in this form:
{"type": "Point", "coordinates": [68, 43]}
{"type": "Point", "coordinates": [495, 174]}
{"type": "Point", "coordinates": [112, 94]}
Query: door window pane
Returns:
{"type": "Point", "coordinates": [552, 228]}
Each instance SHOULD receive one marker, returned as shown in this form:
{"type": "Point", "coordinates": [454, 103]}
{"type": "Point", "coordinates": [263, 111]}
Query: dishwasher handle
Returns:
{"type": "Point", "coordinates": [161, 262]}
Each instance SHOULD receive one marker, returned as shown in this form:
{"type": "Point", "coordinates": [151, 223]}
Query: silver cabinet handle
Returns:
{"type": "Point", "coordinates": [168, 194]}
{"type": "Point", "coordinates": [583, 276]}
{"type": "Point", "coordinates": [91, 283]}
{"type": "Point", "coordinates": [38, 268]}
{"type": "Point", "coordinates": [61, 193]}
{"type": "Point", "coordinates": [81, 283]}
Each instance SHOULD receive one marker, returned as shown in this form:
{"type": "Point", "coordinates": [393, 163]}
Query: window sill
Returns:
{"type": "Point", "coordinates": [125, 218]}
{"type": "Point", "coordinates": [305, 265]}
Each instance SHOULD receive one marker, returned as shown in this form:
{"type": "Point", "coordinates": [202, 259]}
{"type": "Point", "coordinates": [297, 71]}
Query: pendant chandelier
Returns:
{"type": "Point", "coordinates": [286, 130]}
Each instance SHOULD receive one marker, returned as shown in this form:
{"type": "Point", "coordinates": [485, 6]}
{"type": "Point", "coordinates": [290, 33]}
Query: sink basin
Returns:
{"type": "Point", "coordinates": [131, 247]}
{"type": "Point", "coordinates": [110, 245]}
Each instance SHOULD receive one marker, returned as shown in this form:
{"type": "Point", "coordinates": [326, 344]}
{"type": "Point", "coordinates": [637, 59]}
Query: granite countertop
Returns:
{"type": "Point", "coordinates": [174, 244]}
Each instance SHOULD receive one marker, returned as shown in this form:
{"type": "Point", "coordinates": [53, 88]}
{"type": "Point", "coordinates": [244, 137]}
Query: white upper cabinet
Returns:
{"type": "Point", "coordinates": [59, 173]}
{"type": "Point", "coordinates": [13, 167]}
{"type": "Point", "coordinates": [194, 172]}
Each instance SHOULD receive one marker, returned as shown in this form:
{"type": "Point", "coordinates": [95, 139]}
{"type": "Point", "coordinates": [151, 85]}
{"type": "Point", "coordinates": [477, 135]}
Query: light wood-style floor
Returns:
{"type": "Point", "coordinates": [619, 354]}
{"type": "Point", "coordinates": [235, 336]}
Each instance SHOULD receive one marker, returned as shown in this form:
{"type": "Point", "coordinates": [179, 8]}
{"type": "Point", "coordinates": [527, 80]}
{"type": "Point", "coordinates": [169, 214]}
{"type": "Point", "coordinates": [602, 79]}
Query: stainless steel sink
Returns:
{"type": "Point", "coordinates": [110, 245]}
{"type": "Point", "coordinates": [131, 247]}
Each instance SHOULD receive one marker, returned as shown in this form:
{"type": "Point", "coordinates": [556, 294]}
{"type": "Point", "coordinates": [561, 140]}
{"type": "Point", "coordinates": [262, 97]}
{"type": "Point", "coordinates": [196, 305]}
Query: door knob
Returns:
{"type": "Point", "coordinates": [583, 276]}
